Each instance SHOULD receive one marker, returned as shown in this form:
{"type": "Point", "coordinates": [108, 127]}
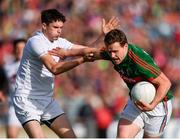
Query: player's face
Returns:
{"type": "Point", "coordinates": [53, 30]}
{"type": "Point", "coordinates": [117, 52]}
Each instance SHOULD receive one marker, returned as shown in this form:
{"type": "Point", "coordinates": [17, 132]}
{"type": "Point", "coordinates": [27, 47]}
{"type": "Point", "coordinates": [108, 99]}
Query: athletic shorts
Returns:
{"type": "Point", "coordinates": [28, 109]}
{"type": "Point", "coordinates": [12, 118]}
{"type": "Point", "coordinates": [153, 122]}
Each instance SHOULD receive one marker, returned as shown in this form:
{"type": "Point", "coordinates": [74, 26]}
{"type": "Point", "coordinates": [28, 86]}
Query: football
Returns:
{"type": "Point", "coordinates": [143, 91]}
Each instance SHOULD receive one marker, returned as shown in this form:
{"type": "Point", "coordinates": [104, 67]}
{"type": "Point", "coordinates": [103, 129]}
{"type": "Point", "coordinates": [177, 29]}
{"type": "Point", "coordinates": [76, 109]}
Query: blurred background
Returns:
{"type": "Point", "coordinates": [93, 94]}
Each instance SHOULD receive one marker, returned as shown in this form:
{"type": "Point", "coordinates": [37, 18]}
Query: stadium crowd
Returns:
{"type": "Point", "coordinates": [92, 94]}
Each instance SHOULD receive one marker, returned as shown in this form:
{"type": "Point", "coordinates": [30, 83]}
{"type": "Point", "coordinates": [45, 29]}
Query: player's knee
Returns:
{"type": "Point", "coordinates": [126, 129]}
{"type": "Point", "coordinates": [122, 131]}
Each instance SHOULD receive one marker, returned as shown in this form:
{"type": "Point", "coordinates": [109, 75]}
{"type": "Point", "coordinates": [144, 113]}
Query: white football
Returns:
{"type": "Point", "coordinates": [144, 91]}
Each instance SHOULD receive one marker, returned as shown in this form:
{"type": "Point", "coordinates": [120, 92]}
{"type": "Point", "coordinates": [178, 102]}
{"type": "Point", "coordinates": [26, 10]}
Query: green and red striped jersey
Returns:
{"type": "Point", "coordinates": [137, 66]}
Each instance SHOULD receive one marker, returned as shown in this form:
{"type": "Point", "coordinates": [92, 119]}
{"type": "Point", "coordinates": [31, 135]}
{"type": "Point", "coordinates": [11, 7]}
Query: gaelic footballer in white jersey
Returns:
{"type": "Point", "coordinates": [39, 81]}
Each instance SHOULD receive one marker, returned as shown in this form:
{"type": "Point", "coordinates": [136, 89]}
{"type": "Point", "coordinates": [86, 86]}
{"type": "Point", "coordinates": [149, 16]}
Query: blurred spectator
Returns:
{"type": "Point", "coordinates": [13, 124]}
{"type": "Point", "coordinates": [176, 102]}
{"type": "Point", "coordinates": [3, 95]}
{"type": "Point", "coordinates": [3, 85]}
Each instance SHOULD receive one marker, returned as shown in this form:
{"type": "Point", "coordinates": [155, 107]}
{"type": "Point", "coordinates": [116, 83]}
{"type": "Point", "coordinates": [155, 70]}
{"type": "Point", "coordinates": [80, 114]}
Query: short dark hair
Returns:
{"type": "Point", "coordinates": [16, 41]}
{"type": "Point", "coordinates": [115, 35]}
{"type": "Point", "coordinates": [50, 15]}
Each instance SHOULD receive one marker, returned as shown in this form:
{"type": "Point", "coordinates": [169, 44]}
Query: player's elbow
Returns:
{"type": "Point", "coordinates": [169, 83]}
{"type": "Point", "coordinates": [53, 71]}
{"type": "Point", "coordinates": [164, 80]}
{"type": "Point", "coordinates": [56, 71]}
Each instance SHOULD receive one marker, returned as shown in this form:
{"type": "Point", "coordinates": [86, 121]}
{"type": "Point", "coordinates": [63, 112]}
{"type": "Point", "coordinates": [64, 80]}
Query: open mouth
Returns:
{"type": "Point", "coordinates": [115, 59]}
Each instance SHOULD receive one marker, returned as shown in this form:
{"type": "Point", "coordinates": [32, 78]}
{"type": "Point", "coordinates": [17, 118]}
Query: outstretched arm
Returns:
{"type": "Point", "coordinates": [80, 50]}
{"type": "Point", "coordinates": [89, 53]}
{"type": "Point", "coordinates": [62, 53]}
{"type": "Point", "coordinates": [62, 66]}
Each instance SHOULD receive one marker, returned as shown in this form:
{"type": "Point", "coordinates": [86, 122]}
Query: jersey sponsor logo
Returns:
{"type": "Point", "coordinates": [126, 79]}
{"type": "Point", "coordinates": [124, 75]}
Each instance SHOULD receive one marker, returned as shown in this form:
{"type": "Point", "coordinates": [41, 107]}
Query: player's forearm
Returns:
{"type": "Point", "coordinates": [61, 67]}
{"type": "Point", "coordinates": [161, 91]}
{"type": "Point", "coordinates": [79, 52]}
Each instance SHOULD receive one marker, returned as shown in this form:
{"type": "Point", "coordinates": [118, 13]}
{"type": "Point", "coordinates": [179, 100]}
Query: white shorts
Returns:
{"type": "Point", "coordinates": [12, 118]}
{"type": "Point", "coordinates": [28, 109]}
{"type": "Point", "coordinates": [152, 122]}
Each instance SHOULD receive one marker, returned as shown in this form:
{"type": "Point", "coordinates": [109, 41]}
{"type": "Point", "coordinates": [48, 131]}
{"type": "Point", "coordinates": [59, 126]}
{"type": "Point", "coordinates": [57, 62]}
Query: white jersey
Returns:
{"type": "Point", "coordinates": [11, 71]}
{"type": "Point", "coordinates": [33, 79]}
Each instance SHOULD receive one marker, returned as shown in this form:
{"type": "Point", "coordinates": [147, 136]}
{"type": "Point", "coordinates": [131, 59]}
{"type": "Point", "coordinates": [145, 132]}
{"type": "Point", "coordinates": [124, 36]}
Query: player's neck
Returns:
{"type": "Point", "coordinates": [46, 35]}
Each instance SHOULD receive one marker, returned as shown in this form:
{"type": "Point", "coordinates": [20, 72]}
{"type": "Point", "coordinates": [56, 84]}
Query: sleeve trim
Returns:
{"type": "Point", "coordinates": [143, 63]}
